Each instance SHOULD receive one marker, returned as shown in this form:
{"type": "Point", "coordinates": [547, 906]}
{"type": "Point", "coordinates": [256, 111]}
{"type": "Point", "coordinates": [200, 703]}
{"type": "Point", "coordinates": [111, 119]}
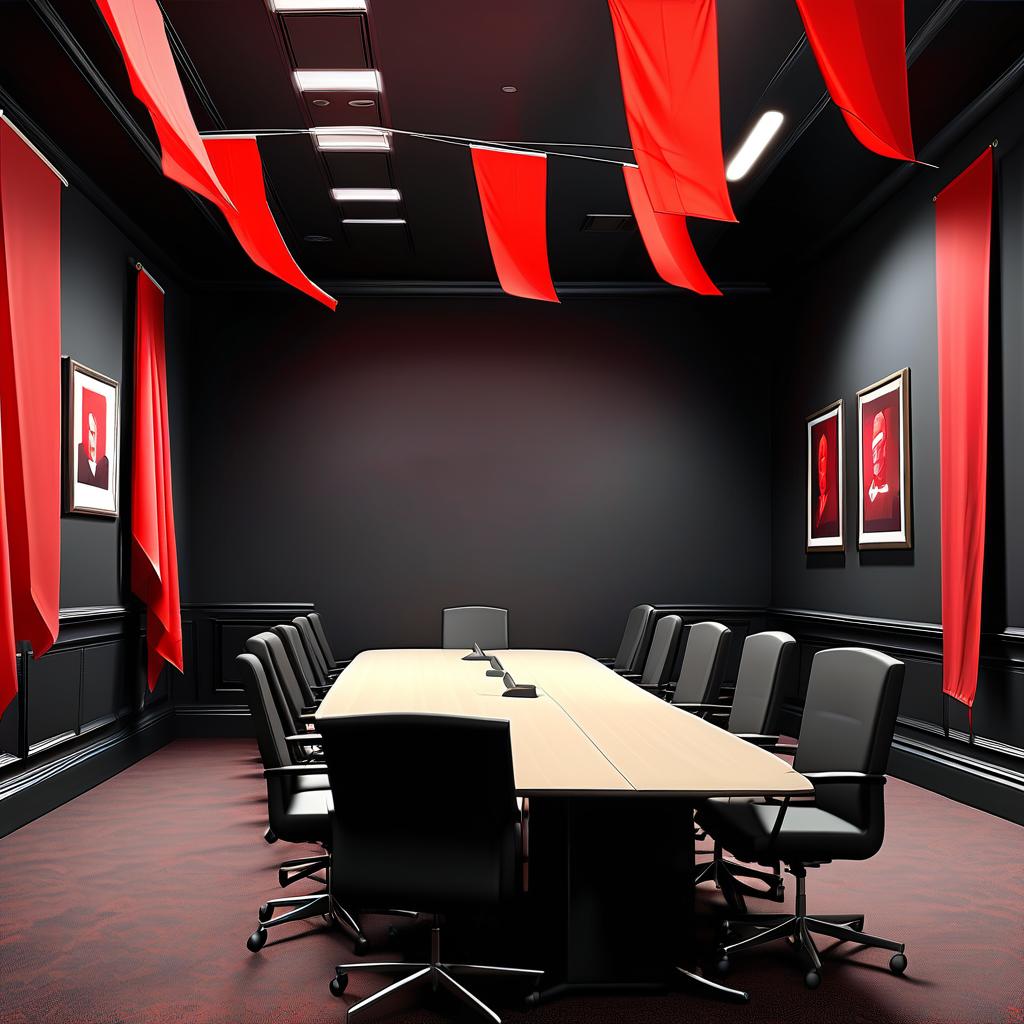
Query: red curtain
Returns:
{"type": "Point", "coordinates": [154, 560]}
{"type": "Point", "coordinates": [513, 196]}
{"type": "Point", "coordinates": [30, 409]}
{"type": "Point", "coordinates": [239, 168]}
{"type": "Point", "coordinates": [861, 49]}
{"type": "Point", "coordinates": [668, 63]}
{"type": "Point", "coordinates": [963, 226]}
{"type": "Point", "coordinates": [8, 647]}
{"type": "Point", "coordinates": [667, 240]}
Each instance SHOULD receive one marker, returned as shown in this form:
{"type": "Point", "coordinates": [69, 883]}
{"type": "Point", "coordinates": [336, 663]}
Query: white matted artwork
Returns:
{"type": "Point", "coordinates": [92, 442]}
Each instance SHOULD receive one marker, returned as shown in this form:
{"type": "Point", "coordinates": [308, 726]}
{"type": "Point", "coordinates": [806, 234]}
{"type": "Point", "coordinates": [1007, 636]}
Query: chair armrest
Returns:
{"type": "Point", "coordinates": [782, 748]}
{"type": "Point", "coordinates": [698, 709]}
{"type": "Point", "coordinates": [307, 716]}
{"type": "Point", "coordinates": [310, 711]}
{"type": "Point", "coordinates": [312, 768]}
{"type": "Point", "coordinates": [819, 778]}
{"type": "Point", "coordinates": [605, 661]}
{"type": "Point", "coordinates": [305, 738]}
{"type": "Point", "coordinates": [759, 739]}
{"type": "Point", "coordinates": [633, 677]}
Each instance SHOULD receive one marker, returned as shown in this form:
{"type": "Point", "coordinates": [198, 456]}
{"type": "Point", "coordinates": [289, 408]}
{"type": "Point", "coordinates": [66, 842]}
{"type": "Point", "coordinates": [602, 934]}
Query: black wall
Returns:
{"type": "Point", "coordinates": [565, 462]}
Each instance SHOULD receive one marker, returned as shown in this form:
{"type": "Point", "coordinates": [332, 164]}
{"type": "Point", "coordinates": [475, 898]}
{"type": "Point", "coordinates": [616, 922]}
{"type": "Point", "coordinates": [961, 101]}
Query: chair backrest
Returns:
{"type": "Point", "coordinates": [474, 624]}
{"type": "Point", "coordinates": [321, 638]}
{"type": "Point", "coordinates": [701, 670]}
{"type": "Point", "coordinates": [283, 684]}
{"type": "Point", "coordinates": [313, 652]}
{"type": "Point", "coordinates": [433, 824]}
{"type": "Point", "coordinates": [301, 665]}
{"type": "Point", "coordinates": [635, 639]}
{"type": "Point", "coordinates": [853, 697]}
{"type": "Point", "coordinates": [663, 650]}
{"type": "Point", "coordinates": [767, 662]}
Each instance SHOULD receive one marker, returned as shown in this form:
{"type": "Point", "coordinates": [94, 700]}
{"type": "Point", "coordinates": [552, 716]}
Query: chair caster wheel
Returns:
{"type": "Point", "coordinates": [361, 945]}
{"type": "Point", "coordinates": [339, 984]}
{"type": "Point", "coordinates": [898, 963]}
{"type": "Point", "coordinates": [270, 836]}
{"type": "Point", "coordinates": [265, 913]}
{"type": "Point", "coordinates": [328, 918]}
{"type": "Point", "coordinates": [257, 940]}
{"type": "Point", "coordinates": [532, 1000]}
{"type": "Point", "coordinates": [723, 964]}
{"type": "Point", "coordinates": [812, 979]}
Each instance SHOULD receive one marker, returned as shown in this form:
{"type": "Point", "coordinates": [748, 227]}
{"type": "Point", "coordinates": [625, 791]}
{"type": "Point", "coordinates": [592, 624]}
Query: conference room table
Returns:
{"type": "Point", "coordinates": [612, 774]}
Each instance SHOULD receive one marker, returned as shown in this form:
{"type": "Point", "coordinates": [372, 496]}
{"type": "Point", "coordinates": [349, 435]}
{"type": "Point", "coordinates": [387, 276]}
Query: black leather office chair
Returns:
{"type": "Point", "coordinates": [700, 673]}
{"type": "Point", "coordinates": [313, 691]}
{"type": "Point", "coordinates": [436, 829]}
{"type": "Point", "coordinates": [661, 655]}
{"type": "Point", "coordinates": [296, 715]}
{"type": "Point", "coordinates": [325, 645]}
{"type": "Point", "coordinates": [298, 805]}
{"type": "Point", "coordinates": [849, 716]}
{"type": "Point", "coordinates": [324, 673]}
{"type": "Point", "coordinates": [636, 640]}
{"type": "Point", "coordinates": [474, 624]}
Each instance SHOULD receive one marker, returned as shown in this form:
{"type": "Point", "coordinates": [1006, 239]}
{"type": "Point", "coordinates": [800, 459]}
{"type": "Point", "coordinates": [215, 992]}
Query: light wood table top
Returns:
{"type": "Point", "coordinates": [588, 732]}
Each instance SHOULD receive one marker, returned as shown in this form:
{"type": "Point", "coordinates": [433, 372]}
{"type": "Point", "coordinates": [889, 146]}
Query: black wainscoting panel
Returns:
{"type": "Point", "coordinates": [103, 679]}
{"type": "Point", "coordinates": [53, 686]}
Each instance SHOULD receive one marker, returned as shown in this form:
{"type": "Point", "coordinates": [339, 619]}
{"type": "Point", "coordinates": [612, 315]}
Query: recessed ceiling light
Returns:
{"type": "Point", "coordinates": [360, 103]}
{"type": "Point", "coordinates": [350, 80]}
{"type": "Point", "coordinates": [318, 6]}
{"type": "Point", "coordinates": [372, 220]}
{"type": "Point", "coordinates": [318, 238]}
{"type": "Point", "coordinates": [352, 140]}
{"type": "Point", "coordinates": [754, 145]}
{"type": "Point", "coordinates": [321, 103]}
{"type": "Point", "coordinates": [509, 88]}
{"type": "Point", "coordinates": [366, 195]}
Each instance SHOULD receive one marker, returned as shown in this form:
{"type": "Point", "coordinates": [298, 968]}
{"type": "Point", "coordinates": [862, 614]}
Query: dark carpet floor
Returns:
{"type": "Point", "coordinates": [131, 905]}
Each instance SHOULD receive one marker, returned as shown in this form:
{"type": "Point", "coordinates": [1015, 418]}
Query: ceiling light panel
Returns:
{"type": "Point", "coordinates": [352, 140]}
{"type": "Point", "coordinates": [754, 145]}
{"type": "Point", "coordinates": [349, 80]}
{"type": "Point", "coordinates": [366, 195]}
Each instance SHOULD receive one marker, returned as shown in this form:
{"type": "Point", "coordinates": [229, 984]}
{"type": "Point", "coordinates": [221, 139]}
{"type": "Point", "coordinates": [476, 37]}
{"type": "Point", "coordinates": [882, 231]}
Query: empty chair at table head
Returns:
{"type": "Point", "coordinates": [469, 624]}
{"type": "Point", "coordinates": [767, 664]}
{"type": "Point", "coordinates": [703, 660]}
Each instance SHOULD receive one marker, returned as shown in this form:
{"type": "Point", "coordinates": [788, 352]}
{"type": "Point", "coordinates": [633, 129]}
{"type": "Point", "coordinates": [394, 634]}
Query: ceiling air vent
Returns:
{"type": "Point", "coordinates": [607, 222]}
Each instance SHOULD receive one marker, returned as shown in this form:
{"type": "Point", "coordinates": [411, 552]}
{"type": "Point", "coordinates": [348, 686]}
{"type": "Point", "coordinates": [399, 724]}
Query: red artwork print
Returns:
{"type": "Point", "coordinates": [825, 478]}
{"type": "Point", "coordinates": [881, 445]}
{"type": "Point", "coordinates": [94, 424]}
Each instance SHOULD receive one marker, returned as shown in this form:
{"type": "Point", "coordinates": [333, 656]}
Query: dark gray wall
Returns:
{"type": "Point", "coordinates": [563, 461]}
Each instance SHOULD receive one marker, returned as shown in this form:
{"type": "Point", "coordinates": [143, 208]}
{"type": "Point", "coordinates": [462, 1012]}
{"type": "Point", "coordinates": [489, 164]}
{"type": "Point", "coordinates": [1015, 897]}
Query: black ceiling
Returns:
{"type": "Point", "coordinates": [443, 65]}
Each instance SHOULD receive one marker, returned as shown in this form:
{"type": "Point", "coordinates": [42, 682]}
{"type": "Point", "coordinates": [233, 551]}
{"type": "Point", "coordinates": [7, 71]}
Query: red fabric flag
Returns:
{"type": "Point", "coordinates": [513, 196]}
{"type": "Point", "coordinates": [154, 552]}
{"type": "Point", "coordinates": [239, 168]}
{"type": "Point", "coordinates": [8, 647]}
{"type": "Point", "coordinates": [30, 409]}
{"type": "Point", "coordinates": [861, 49]}
{"type": "Point", "coordinates": [138, 29]}
{"type": "Point", "coordinates": [668, 63]}
{"type": "Point", "coordinates": [667, 240]}
{"type": "Point", "coordinates": [963, 227]}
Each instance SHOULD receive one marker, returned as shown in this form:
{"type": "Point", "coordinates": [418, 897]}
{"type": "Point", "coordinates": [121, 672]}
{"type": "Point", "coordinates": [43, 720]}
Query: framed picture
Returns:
{"type": "Point", "coordinates": [883, 434]}
{"type": "Point", "coordinates": [826, 500]}
{"type": "Point", "coordinates": [92, 443]}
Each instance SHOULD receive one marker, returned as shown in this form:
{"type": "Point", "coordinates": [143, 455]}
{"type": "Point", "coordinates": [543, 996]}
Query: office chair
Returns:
{"type": "Point", "coordinates": [325, 675]}
{"type": "Point", "coordinates": [849, 717]}
{"type": "Point", "coordinates": [767, 661]}
{"type": "Point", "coordinates": [295, 714]}
{"type": "Point", "coordinates": [437, 829]}
{"type": "Point", "coordinates": [474, 624]}
{"type": "Point", "coordinates": [636, 640]}
{"type": "Point", "coordinates": [325, 646]}
{"type": "Point", "coordinates": [312, 690]}
{"type": "Point", "coordinates": [298, 805]}
{"type": "Point", "coordinates": [700, 673]}
{"type": "Point", "coordinates": [661, 655]}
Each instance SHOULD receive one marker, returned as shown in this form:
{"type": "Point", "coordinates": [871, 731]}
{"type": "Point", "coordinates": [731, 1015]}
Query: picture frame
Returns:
{"type": "Point", "coordinates": [92, 441]}
{"type": "Point", "coordinates": [884, 510]}
{"type": "Point", "coordinates": [825, 504]}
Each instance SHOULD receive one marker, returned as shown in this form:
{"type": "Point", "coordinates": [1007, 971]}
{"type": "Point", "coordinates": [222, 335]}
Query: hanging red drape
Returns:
{"type": "Point", "coordinates": [513, 196]}
{"type": "Point", "coordinates": [154, 560]}
{"type": "Point", "coordinates": [861, 49]}
{"type": "Point", "coordinates": [963, 227]}
{"type": "Point", "coordinates": [668, 63]}
{"type": "Point", "coordinates": [8, 646]}
{"type": "Point", "coordinates": [667, 240]}
{"type": "Point", "coordinates": [30, 410]}
{"type": "Point", "coordinates": [239, 168]}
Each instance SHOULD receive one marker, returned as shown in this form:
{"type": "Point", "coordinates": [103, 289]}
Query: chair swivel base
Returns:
{"type": "Point", "coordinates": [728, 876]}
{"type": "Point", "coordinates": [439, 975]}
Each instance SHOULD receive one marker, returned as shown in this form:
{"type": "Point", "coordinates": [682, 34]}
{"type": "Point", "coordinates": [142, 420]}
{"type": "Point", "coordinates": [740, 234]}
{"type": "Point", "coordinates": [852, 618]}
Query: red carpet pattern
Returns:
{"type": "Point", "coordinates": [132, 904]}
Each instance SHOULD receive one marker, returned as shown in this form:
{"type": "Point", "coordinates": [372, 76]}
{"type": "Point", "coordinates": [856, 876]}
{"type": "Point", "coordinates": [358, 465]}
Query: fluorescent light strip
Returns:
{"type": "Point", "coordinates": [351, 80]}
{"type": "Point", "coordinates": [352, 140]}
{"type": "Point", "coordinates": [372, 220]}
{"type": "Point", "coordinates": [366, 195]}
{"type": "Point", "coordinates": [754, 145]}
{"type": "Point", "coordinates": [318, 6]}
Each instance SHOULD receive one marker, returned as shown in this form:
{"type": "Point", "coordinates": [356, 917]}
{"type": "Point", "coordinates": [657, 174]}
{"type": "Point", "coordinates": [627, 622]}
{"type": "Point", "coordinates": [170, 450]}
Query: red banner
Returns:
{"type": "Point", "coordinates": [668, 63]}
{"type": "Point", "coordinates": [963, 228]}
{"type": "Point", "coordinates": [154, 552]}
{"type": "Point", "coordinates": [8, 646]}
{"type": "Point", "coordinates": [239, 168]}
{"type": "Point", "coordinates": [667, 240]}
{"type": "Point", "coordinates": [861, 49]}
{"type": "Point", "coordinates": [513, 196]}
{"type": "Point", "coordinates": [30, 410]}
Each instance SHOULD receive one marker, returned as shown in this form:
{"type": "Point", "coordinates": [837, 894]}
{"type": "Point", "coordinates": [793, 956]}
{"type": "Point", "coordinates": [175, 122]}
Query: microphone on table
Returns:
{"type": "Point", "coordinates": [514, 689]}
{"type": "Point", "coordinates": [496, 669]}
{"type": "Point", "coordinates": [476, 655]}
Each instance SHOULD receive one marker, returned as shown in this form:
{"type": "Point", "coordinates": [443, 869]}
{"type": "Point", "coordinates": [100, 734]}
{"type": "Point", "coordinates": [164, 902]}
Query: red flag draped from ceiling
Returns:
{"type": "Point", "coordinates": [667, 240]}
{"type": "Point", "coordinates": [30, 409]}
{"type": "Point", "coordinates": [861, 49]}
{"type": "Point", "coordinates": [154, 553]}
{"type": "Point", "coordinates": [228, 172]}
{"type": "Point", "coordinates": [8, 647]}
{"type": "Point", "coordinates": [963, 226]}
{"type": "Point", "coordinates": [668, 63]}
{"type": "Point", "coordinates": [513, 196]}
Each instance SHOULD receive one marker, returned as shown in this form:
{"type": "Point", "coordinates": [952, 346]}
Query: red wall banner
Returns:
{"type": "Point", "coordinates": [30, 406]}
{"type": "Point", "coordinates": [154, 560]}
{"type": "Point", "coordinates": [963, 228]}
{"type": "Point", "coordinates": [668, 63]}
{"type": "Point", "coordinates": [513, 197]}
{"type": "Point", "coordinates": [667, 240]}
{"type": "Point", "coordinates": [861, 49]}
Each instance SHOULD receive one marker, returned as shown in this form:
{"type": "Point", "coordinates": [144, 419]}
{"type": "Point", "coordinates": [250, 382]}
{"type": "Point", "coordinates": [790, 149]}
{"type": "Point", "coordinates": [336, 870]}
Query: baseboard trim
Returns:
{"type": "Point", "coordinates": [212, 721]}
